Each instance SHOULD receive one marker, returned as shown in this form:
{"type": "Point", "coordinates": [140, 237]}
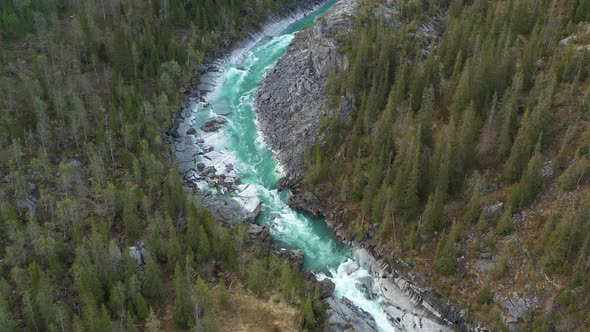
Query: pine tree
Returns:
{"type": "Point", "coordinates": [532, 125]}
{"type": "Point", "coordinates": [505, 225]}
{"type": "Point", "coordinates": [8, 322]}
{"type": "Point", "coordinates": [445, 259]}
{"type": "Point", "coordinates": [426, 114]}
{"type": "Point", "coordinates": [309, 320]}
{"type": "Point", "coordinates": [462, 96]}
{"type": "Point", "coordinates": [557, 250]}
{"type": "Point", "coordinates": [488, 137]}
{"type": "Point", "coordinates": [432, 217]}
{"type": "Point", "coordinates": [256, 277]}
{"type": "Point", "coordinates": [202, 297]}
{"type": "Point", "coordinates": [174, 248]}
{"type": "Point", "coordinates": [531, 183]}
{"type": "Point", "coordinates": [386, 228]}
{"type": "Point", "coordinates": [204, 248]}
{"type": "Point", "coordinates": [152, 284]}
{"type": "Point", "coordinates": [287, 289]}
{"type": "Point", "coordinates": [183, 304]}
{"type": "Point", "coordinates": [225, 298]}
{"type": "Point", "coordinates": [508, 112]}
{"type": "Point", "coordinates": [408, 199]}
{"type": "Point", "coordinates": [560, 160]}
{"type": "Point", "coordinates": [141, 307]}
{"type": "Point", "coordinates": [472, 208]}
{"type": "Point", "coordinates": [466, 141]}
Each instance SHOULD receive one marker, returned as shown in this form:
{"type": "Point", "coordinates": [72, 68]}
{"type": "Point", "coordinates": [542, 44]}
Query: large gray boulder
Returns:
{"type": "Point", "coordinates": [343, 315]}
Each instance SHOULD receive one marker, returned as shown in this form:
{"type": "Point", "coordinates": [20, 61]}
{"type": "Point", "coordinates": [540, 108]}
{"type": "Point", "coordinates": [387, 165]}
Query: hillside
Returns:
{"type": "Point", "coordinates": [456, 148]}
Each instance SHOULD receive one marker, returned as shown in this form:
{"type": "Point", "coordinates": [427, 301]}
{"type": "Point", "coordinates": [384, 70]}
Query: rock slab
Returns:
{"type": "Point", "coordinates": [291, 99]}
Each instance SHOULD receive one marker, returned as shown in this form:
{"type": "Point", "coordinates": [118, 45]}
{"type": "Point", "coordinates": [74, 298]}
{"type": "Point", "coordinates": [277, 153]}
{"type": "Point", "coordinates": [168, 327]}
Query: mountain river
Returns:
{"type": "Point", "coordinates": [234, 92]}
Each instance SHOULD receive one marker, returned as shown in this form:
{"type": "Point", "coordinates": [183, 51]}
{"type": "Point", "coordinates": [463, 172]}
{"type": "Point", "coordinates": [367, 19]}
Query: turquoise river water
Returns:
{"type": "Point", "coordinates": [323, 252]}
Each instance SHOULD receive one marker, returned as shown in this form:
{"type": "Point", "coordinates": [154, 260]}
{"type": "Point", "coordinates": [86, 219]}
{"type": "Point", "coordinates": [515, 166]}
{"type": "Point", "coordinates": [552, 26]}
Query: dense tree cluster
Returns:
{"type": "Point", "coordinates": [437, 120]}
{"type": "Point", "coordinates": [87, 90]}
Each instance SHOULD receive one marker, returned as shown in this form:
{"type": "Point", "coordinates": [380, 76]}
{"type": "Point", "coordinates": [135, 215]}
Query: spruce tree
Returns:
{"type": "Point", "coordinates": [445, 258]}
{"type": "Point", "coordinates": [309, 320]}
{"type": "Point", "coordinates": [183, 304]}
{"type": "Point", "coordinates": [505, 225]}
{"type": "Point", "coordinates": [531, 183]}
{"type": "Point", "coordinates": [432, 217]}
{"type": "Point", "coordinates": [472, 208]}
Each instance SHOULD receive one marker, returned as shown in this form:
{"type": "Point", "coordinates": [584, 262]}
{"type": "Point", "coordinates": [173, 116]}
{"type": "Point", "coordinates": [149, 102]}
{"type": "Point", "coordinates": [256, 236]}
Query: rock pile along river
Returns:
{"type": "Point", "coordinates": [237, 141]}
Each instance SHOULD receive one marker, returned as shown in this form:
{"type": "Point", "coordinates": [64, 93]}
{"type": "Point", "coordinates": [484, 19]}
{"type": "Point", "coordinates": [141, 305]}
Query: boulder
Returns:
{"type": "Point", "coordinates": [28, 203]}
{"type": "Point", "coordinates": [365, 285]}
{"type": "Point", "coordinates": [255, 229]}
{"type": "Point", "coordinates": [294, 256]}
{"type": "Point", "coordinates": [326, 288]}
{"type": "Point", "coordinates": [352, 267]}
{"type": "Point", "coordinates": [75, 162]}
{"type": "Point", "coordinates": [138, 252]}
{"type": "Point", "coordinates": [191, 131]}
{"type": "Point", "coordinates": [492, 210]}
{"type": "Point", "coordinates": [208, 170]}
{"type": "Point", "coordinates": [517, 306]}
{"type": "Point", "coordinates": [343, 315]}
{"type": "Point", "coordinates": [210, 126]}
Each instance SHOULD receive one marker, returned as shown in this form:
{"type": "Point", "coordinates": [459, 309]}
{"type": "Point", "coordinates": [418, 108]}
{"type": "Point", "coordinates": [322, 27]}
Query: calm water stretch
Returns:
{"type": "Point", "coordinates": [292, 229]}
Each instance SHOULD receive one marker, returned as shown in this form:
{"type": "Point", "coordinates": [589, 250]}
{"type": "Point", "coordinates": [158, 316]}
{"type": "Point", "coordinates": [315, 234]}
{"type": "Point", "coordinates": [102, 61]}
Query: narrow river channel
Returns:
{"type": "Point", "coordinates": [323, 252]}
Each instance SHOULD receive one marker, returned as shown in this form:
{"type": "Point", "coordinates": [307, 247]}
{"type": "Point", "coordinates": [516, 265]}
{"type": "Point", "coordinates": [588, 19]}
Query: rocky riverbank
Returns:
{"type": "Point", "coordinates": [290, 102]}
{"type": "Point", "coordinates": [210, 172]}
{"type": "Point", "coordinates": [411, 307]}
{"type": "Point", "coordinates": [207, 170]}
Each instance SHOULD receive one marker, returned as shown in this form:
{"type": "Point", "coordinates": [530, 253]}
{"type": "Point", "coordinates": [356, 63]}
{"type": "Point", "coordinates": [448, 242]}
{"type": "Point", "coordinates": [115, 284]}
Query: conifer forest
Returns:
{"type": "Point", "coordinates": [449, 140]}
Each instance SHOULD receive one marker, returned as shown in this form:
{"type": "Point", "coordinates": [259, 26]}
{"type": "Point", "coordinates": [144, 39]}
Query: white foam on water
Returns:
{"type": "Point", "coordinates": [346, 285]}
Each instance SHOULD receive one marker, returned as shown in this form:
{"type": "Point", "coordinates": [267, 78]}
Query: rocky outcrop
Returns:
{"type": "Point", "coordinates": [291, 99]}
{"type": "Point", "coordinates": [410, 307]}
{"type": "Point", "coordinates": [345, 316]}
{"type": "Point", "coordinates": [516, 305]}
{"type": "Point", "coordinates": [138, 252]}
{"type": "Point", "coordinates": [326, 288]}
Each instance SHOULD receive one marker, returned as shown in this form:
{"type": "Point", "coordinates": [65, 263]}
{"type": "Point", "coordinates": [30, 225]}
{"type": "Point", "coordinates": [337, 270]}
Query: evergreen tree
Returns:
{"type": "Point", "coordinates": [287, 283]}
{"type": "Point", "coordinates": [183, 304]}
{"type": "Point", "coordinates": [202, 297]}
{"type": "Point", "coordinates": [426, 114]}
{"type": "Point", "coordinates": [472, 208]}
{"type": "Point", "coordinates": [445, 259]}
{"type": "Point", "coordinates": [505, 224]}
{"type": "Point", "coordinates": [203, 251]}
{"type": "Point", "coordinates": [309, 320]}
{"type": "Point", "coordinates": [531, 183]}
{"type": "Point", "coordinates": [225, 298]}
{"type": "Point", "coordinates": [432, 217]}
{"type": "Point", "coordinates": [508, 112]}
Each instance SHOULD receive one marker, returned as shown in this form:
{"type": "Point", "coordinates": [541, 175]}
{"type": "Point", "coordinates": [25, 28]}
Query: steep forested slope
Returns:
{"type": "Point", "coordinates": [466, 151]}
{"type": "Point", "coordinates": [87, 91]}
